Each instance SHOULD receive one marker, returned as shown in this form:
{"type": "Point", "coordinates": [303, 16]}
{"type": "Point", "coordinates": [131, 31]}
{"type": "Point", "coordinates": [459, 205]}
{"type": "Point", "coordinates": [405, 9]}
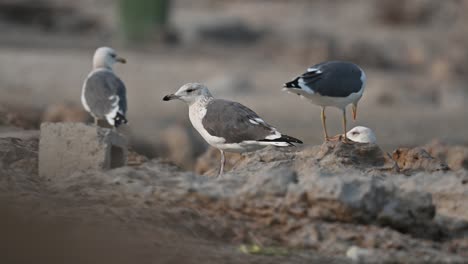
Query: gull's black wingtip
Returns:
{"type": "Point", "coordinates": [120, 119]}
{"type": "Point", "coordinates": [292, 84]}
{"type": "Point", "coordinates": [291, 140]}
{"type": "Point", "coordinates": [285, 138]}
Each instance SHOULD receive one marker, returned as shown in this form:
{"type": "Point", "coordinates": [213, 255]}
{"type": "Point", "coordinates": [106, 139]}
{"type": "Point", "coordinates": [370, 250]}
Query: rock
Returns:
{"type": "Point", "coordinates": [449, 190]}
{"type": "Point", "coordinates": [68, 147]}
{"type": "Point", "coordinates": [322, 182]}
{"type": "Point", "coordinates": [402, 214]}
{"type": "Point", "coordinates": [327, 183]}
{"type": "Point", "coordinates": [349, 197]}
{"type": "Point", "coordinates": [363, 255]}
{"type": "Point", "coordinates": [358, 254]}
{"type": "Point", "coordinates": [357, 155]}
{"type": "Point", "coordinates": [270, 182]}
{"type": "Point", "coordinates": [417, 159]}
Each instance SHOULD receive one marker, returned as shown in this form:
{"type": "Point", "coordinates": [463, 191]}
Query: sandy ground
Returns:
{"type": "Point", "coordinates": [51, 229]}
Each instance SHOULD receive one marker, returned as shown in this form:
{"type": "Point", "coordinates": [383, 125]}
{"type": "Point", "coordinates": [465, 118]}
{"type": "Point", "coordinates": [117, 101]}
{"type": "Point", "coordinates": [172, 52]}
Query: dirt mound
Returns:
{"type": "Point", "coordinates": [18, 151]}
{"type": "Point", "coordinates": [456, 157]}
{"type": "Point", "coordinates": [417, 159]}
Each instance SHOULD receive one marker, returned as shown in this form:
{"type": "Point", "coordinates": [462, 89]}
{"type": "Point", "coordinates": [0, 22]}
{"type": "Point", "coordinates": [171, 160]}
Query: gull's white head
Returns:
{"type": "Point", "coordinates": [190, 93]}
{"type": "Point", "coordinates": [105, 57]}
{"type": "Point", "coordinates": [362, 135]}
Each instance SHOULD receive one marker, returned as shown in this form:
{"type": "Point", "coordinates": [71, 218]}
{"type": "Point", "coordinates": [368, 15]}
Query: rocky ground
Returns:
{"type": "Point", "coordinates": [332, 202]}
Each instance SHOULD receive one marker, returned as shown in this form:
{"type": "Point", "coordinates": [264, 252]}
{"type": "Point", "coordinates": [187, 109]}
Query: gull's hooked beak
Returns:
{"type": "Point", "coordinates": [170, 97]}
{"type": "Point", "coordinates": [121, 60]}
{"type": "Point", "coordinates": [354, 109]}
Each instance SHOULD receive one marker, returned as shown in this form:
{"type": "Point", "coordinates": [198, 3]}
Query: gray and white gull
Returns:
{"type": "Point", "coordinates": [103, 93]}
{"type": "Point", "coordinates": [226, 125]}
{"type": "Point", "coordinates": [331, 83]}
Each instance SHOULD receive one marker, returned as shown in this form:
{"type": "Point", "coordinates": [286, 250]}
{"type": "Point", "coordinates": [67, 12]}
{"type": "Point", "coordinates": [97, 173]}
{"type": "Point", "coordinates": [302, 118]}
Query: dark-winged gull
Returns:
{"type": "Point", "coordinates": [362, 134]}
{"type": "Point", "coordinates": [331, 83]}
{"type": "Point", "coordinates": [104, 94]}
{"type": "Point", "coordinates": [228, 126]}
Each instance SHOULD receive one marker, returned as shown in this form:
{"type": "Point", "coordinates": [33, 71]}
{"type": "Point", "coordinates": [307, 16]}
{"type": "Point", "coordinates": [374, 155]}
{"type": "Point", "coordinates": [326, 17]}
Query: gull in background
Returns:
{"type": "Point", "coordinates": [104, 94]}
{"type": "Point", "coordinates": [331, 83]}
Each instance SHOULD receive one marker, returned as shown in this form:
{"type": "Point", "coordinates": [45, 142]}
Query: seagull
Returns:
{"type": "Point", "coordinates": [362, 135]}
{"type": "Point", "coordinates": [104, 94]}
{"type": "Point", "coordinates": [226, 125]}
{"type": "Point", "coordinates": [331, 83]}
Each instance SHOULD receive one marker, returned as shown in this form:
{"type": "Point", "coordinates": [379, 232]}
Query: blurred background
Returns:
{"type": "Point", "coordinates": [414, 53]}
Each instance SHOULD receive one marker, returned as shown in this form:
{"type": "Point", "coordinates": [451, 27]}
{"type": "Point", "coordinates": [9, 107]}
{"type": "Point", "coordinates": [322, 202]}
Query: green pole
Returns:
{"type": "Point", "coordinates": [139, 19]}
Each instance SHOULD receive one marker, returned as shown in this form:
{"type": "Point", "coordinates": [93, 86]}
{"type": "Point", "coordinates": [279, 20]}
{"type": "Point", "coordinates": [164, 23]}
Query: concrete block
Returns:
{"type": "Point", "coordinates": [68, 147]}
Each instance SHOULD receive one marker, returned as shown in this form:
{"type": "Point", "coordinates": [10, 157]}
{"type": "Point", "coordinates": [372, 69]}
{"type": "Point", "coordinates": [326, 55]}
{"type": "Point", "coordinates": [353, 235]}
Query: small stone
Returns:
{"type": "Point", "coordinates": [358, 254]}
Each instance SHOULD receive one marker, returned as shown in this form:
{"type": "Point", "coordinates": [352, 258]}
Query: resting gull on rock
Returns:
{"type": "Point", "coordinates": [362, 135]}
{"type": "Point", "coordinates": [331, 83]}
{"type": "Point", "coordinates": [228, 126]}
{"type": "Point", "coordinates": [104, 94]}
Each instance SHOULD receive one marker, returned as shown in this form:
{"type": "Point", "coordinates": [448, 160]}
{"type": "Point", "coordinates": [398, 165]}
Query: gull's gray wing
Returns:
{"type": "Point", "coordinates": [237, 123]}
{"type": "Point", "coordinates": [105, 94]}
{"type": "Point", "coordinates": [332, 78]}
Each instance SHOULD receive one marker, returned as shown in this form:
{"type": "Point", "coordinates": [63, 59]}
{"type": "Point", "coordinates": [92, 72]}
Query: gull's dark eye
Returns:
{"type": "Point", "coordinates": [355, 133]}
{"type": "Point", "coordinates": [190, 90]}
{"type": "Point", "coordinates": [113, 55]}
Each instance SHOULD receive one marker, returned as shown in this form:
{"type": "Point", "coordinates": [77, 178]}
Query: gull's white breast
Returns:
{"type": "Point", "coordinates": [196, 113]}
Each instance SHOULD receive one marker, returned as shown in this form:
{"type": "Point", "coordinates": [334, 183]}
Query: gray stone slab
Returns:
{"type": "Point", "coordinates": [68, 147]}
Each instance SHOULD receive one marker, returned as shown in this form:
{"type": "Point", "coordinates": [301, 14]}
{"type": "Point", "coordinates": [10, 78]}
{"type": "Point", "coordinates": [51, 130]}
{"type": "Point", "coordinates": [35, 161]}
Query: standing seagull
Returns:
{"type": "Point", "coordinates": [103, 94]}
{"type": "Point", "coordinates": [228, 126]}
{"type": "Point", "coordinates": [331, 83]}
